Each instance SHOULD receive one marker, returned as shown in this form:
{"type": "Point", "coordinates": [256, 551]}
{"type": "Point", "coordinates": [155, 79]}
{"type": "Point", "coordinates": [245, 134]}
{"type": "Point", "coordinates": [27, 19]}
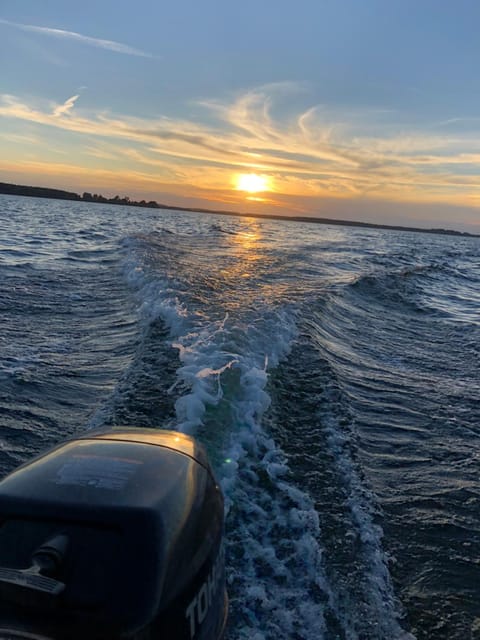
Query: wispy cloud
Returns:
{"type": "Point", "coordinates": [66, 107]}
{"type": "Point", "coordinates": [312, 152]}
{"type": "Point", "coordinates": [110, 45]}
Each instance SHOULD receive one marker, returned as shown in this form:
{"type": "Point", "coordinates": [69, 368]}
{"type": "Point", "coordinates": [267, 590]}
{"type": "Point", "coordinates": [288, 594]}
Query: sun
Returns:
{"type": "Point", "coordinates": [252, 183]}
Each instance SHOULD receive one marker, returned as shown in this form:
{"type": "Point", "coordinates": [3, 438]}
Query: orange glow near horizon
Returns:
{"type": "Point", "coordinates": [252, 183]}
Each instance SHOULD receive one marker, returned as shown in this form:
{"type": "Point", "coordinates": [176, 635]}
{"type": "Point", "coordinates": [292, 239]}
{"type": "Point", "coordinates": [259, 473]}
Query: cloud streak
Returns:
{"type": "Point", "coordinates": [66, 107]}
{"type": "Point", "coordinates": [109, 45]}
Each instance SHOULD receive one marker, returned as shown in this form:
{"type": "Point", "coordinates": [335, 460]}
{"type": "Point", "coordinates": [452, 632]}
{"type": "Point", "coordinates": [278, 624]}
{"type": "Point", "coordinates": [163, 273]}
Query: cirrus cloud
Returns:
{"type": "Point", "coordinates": [110, 45]}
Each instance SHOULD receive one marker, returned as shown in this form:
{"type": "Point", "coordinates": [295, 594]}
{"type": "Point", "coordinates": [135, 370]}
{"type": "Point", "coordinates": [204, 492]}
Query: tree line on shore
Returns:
{"type": "Point", "coordinates": [96, 197]}
{"type": "Point", "coordinates": [45, 192]}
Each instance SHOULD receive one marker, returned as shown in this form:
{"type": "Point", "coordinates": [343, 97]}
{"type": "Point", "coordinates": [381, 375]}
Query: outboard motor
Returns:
{"type": "Point", "coordinates": [115, 534]}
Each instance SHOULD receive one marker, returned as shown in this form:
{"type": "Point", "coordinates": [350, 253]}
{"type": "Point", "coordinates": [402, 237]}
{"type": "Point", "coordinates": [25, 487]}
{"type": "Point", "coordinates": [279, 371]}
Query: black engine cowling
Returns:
{"type": "Point", "coordinates": [116, 534]}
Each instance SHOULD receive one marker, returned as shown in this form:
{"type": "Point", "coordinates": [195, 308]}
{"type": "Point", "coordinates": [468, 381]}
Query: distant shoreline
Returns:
{"type": "Point", "coordinates": [58, 194]}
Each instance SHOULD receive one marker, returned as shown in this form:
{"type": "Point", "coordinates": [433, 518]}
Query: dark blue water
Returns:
{"type": "Point", "coordinates": [331, 372]}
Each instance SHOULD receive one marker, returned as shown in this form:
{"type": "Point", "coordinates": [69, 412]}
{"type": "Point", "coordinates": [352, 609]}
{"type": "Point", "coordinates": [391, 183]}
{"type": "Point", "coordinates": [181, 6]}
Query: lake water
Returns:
{"type": "Point", "coordinates": [331, 372]}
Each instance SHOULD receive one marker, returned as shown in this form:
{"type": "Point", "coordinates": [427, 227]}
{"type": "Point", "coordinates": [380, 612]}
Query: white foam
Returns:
{"type": "Point", "coordinates": [273, 523]}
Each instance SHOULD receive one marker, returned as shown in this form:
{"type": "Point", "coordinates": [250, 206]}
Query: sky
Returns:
{"type": "Point", "coordinates": [351, 109]}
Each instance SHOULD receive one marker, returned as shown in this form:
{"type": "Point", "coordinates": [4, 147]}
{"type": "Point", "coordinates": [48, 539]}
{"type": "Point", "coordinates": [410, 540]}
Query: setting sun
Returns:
{"type": "Point", "coordinates": [252, 183]}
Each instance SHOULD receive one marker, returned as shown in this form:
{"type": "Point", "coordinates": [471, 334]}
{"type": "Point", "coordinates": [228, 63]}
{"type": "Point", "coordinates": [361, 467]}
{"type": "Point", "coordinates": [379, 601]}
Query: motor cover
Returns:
{"type": "Point", "coordinates": [115, 534]}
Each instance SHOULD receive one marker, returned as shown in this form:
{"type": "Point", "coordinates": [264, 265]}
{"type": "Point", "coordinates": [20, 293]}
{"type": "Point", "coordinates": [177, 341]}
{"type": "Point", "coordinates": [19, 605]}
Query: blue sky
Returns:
{"type": "Point", "coordinates": [362, 109]}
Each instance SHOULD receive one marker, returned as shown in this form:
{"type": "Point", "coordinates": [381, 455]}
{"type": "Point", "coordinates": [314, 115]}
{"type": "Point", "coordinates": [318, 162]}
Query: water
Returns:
{"type": "Point", "coordinates": [331, 372]}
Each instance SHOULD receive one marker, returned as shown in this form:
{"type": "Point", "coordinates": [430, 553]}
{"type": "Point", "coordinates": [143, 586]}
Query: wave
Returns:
{"type": "Point", "coordinates": [444, 285]}
{"type": "Point", "coordinates": [400, 346]}
{"type": "Point", "coordinates": [395, 290]}
{"type": "Point", "coordinates": [316, 427]}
